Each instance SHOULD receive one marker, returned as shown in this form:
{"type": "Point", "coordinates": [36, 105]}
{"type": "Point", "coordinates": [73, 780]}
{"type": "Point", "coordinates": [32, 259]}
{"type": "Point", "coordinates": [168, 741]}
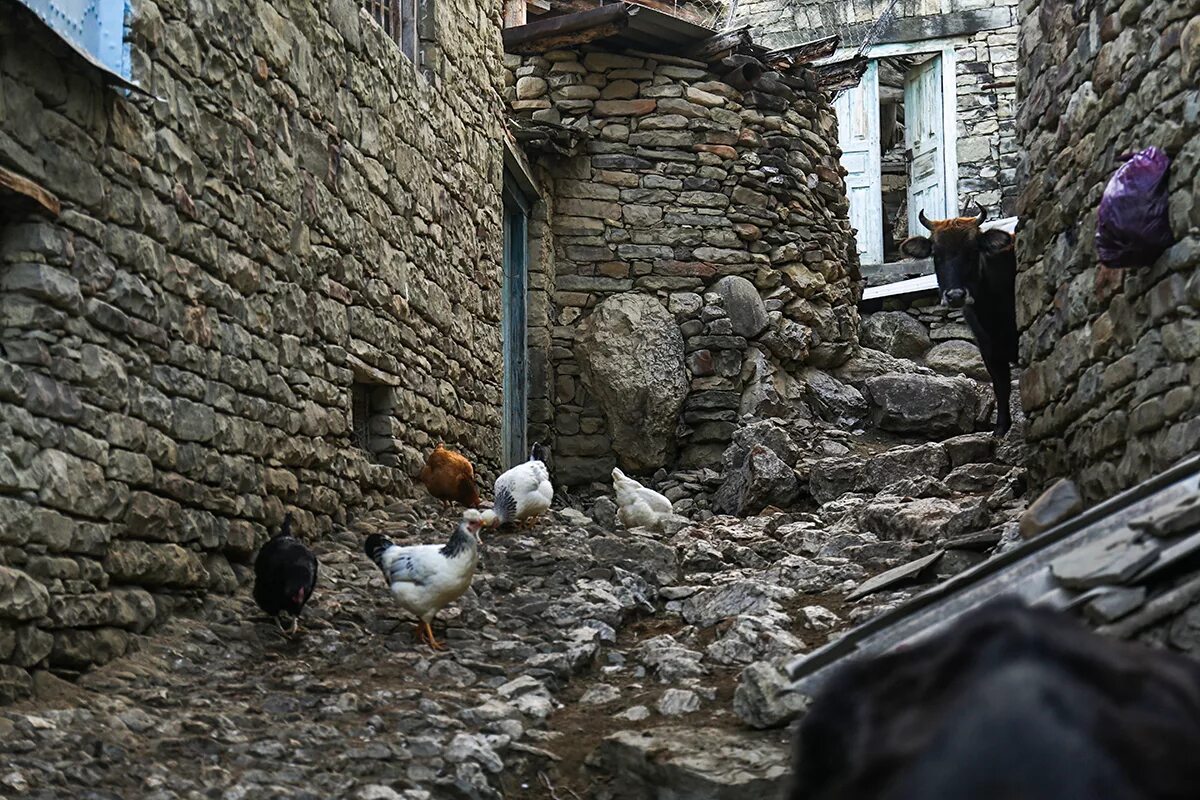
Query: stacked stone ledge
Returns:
{"type": "Point", "coordinates": [727, 207]}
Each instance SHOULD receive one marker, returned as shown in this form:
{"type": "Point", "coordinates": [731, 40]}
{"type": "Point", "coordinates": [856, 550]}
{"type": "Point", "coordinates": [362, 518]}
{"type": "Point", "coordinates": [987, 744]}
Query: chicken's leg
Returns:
{"type": "Point", "coordinates": [433, 642]}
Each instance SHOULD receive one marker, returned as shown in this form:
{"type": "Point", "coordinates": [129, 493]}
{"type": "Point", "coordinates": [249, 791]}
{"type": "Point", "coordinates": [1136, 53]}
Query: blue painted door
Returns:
{"type": "Point", "coordinates": [516, 272]}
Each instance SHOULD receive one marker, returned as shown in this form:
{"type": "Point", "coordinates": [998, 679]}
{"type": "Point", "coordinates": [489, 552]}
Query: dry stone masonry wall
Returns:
{"type": "Point", "coordinates": [700, 229]}
{"type": "Point", "coordinates": [294, 210]}
{"type": "Point", "coordinates": [1114, 356]}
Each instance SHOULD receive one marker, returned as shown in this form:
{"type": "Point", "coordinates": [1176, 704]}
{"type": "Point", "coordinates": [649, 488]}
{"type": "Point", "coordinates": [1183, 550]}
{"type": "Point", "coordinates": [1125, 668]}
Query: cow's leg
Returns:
{"type": "Point", "coordinates": [1001, 374]}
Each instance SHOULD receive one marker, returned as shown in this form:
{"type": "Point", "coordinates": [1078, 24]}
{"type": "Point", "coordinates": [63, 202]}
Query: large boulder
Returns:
{"type": "Point", "coordinates": [926, 404]}
{"type": "Point", "coordinates": [21, 597]}
{"type": "Point", "coordinates": [744, 305]}
{"type": "Point", "coordinates": [896, 333]}
{"type": "Point", "coordinates": [762, 480]}
{"type": "Point", "coordinates": [631, 354]}
{"type": "Point", "coordinates": [956, 357]}
{"type": "Point", "coordinates": [867, 363]}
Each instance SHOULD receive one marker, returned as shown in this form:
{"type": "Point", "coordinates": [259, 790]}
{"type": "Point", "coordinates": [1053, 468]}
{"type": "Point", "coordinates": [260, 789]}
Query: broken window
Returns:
{"type": "Point", "coordinates": [401, 20]}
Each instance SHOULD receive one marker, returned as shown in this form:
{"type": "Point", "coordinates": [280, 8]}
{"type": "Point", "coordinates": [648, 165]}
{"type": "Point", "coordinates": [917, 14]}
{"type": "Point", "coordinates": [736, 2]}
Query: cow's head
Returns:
{"type": "Point", "coordinates": [959, 248]}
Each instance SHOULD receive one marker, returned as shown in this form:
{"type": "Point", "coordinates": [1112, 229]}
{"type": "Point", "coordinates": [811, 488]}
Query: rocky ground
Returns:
{"type": "Point", "coordinates": [586, 660]}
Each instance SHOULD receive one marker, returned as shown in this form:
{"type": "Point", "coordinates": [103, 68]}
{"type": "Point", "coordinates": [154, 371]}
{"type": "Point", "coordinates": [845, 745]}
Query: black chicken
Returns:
{"type": "Point", "coordinates": [285, 574]}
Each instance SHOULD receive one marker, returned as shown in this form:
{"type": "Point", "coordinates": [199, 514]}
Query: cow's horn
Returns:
{"type": "Point", "coordinates": [924, 220]}
{"type": "Point", "coordinates": [982, 214]}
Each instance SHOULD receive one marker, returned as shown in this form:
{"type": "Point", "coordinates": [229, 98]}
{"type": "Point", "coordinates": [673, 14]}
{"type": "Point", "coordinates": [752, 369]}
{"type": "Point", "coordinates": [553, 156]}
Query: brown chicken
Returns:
{"type": "Point", "coordinates": [450, 478]}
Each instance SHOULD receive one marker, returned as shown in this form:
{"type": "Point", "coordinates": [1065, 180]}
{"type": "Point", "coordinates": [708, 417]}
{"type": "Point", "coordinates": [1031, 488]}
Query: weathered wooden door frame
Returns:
{"type": "Point", "coordinates": [944, 48]}
{"type": "Point", "coordinates": [517, 204]}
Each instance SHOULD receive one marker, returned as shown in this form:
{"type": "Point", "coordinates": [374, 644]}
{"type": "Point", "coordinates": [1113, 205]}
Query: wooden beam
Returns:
{"type": "Point", "coordinates": [721, 45]}
{"type": "Point", "coordinates": [805, 52]}
{"type": "Point", "coordinates": [840, 74]}
{"type": "Point", "coordinates": [528, 38]}
{"type": "Point", "coordinates": [514, 13]}
{"type": "Point", "coordinates": [17, 190]}
{"type": "Point", "coordinates": [537, 7]}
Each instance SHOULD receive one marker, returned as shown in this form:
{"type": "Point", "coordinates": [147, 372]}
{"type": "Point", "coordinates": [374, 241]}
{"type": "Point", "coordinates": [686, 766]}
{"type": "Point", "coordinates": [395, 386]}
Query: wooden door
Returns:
{"type": "Point", "coordinates": [858, 136]}
{"type": "Point", "coordinates": [924, 136]}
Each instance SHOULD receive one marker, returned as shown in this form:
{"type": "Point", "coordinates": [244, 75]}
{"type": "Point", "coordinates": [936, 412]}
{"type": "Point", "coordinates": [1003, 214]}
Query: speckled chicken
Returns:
{"type": "Point", "coordinates": [425, 578]}
{"type": "Point", "coordinates": [523, 493]}
{"type": "Point", "coordinates": [637, 506]}
{"type": "Point", "coordinates": [450, 477]}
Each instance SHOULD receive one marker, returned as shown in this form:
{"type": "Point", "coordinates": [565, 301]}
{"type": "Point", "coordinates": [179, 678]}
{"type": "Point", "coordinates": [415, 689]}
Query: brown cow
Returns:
{"type": "Point", "coordinates": [976, 271]}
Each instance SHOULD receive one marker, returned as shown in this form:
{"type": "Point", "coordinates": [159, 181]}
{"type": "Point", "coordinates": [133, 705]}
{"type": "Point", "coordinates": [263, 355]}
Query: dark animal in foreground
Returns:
{"type": "Point", "coordinates": [1010, 703]}
{"type": "Point", "coordinates": [977, 271]}
{"type": "Point", "coordinates": [285, 574]}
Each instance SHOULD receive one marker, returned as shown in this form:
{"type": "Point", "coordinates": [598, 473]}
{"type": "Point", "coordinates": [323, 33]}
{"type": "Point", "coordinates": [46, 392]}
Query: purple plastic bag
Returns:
{"type": "Point", "coordinates": [1132, 227]}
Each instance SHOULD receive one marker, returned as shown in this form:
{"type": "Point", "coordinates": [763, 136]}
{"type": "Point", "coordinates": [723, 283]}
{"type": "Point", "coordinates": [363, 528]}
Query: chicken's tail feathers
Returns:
{"type": "Point", "coordinates": [286, 528]}
{"type": "Point", "coordinates": [374, 547]}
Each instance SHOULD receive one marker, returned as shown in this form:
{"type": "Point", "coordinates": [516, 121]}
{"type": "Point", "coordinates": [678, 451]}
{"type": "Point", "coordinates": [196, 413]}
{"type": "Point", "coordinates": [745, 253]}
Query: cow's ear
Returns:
{"type": "Point", "coordinates": [916, 247]}
{"type": "Point", "coordinates": [995, 241]}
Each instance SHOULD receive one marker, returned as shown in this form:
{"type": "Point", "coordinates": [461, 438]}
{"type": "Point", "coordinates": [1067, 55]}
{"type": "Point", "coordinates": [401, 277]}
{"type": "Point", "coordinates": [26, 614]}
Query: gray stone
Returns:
{"type": "Point", "coordinates": [895, 333]}
{"type": "Point", "coordinates": [632, 357]}
{"type": "Point", "coordinates": [956, 357]}
{"type": "Point", "coordinates": [905, 572]}
{"type": "Point", "coordinates": [653, 560]}
{"type": "Point", "coordinates": [926, 404]}
{"type": "Point", "coordinates": [1112, 560]}
{"type": "Point", "coordinates": [21, 597]}
{"type": "Point", "coordinates": [743, 304]}
{"type": "Point", "coordinates": [763, 479]}
{"type": "Point", "coordinates": [745, 597]}
{"type": "Point", "coordinates": [693, 762]}
{"type": "Point", "coordinates": [923, 519]}
{"type": "Point", "coordinates": [1055, 505]}
{"type": "Point", "coordinates": [832, 399]}
{"type": "Point", "coordinates": [677, 702]}
{"type": "Point", "coordinates": [751, 638]}
{"type": "Point", "coordinates": [763, 698]}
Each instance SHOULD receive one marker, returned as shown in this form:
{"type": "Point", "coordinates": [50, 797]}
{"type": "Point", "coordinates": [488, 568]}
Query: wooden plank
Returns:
{"type": "Point", "coordinates": [514, 13]}
{"type": "Point", "coordinates": [525, 38]}
{"type": "Point", "coordinates": [841, 74]}
{"type": "Point", "coordinates": [565, 40]}
{"type": "Point", "coordinates": [28, 192]}
{"type": "Point", "coordinates": [537, 7]}
{"type": "Point", "coordinates": [805, 52]}
{"type": "Point", "coordinates": [721, 45]}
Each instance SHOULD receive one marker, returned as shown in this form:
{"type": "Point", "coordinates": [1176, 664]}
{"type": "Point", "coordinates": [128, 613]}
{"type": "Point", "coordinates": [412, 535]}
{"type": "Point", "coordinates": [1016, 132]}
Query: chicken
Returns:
{"type": "Point", "coordinates": [285, 574]}
{"type": "Point", "coordinates": [522, 493]}
{"type": "Point", "coordinates": [637, 506]}
{"type": "Point", "coordinates": [425, 578]}
{"type": "Point", "coordinates": [450, 477]}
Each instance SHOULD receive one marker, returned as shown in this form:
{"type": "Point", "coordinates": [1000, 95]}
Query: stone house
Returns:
{"type": "Point", "coordinates": [930, 124]}
{"type": "Point", "coordinates": [1110, 389]}
{"type": "Point", "coordinates": [250, 260]}
{"type": "Point", "coordinates": [690, 255]}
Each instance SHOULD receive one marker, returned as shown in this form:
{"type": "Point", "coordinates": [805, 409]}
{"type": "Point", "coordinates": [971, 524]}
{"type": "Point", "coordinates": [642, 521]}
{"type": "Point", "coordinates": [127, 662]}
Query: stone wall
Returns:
{"type": "Point", "coordinates": [295, 210]}
{"type": "Point", "coordinates": [984, 38]}
{"type": "Point", "coordinates": [723, 210]}
{"type": "Point", "coordinates": [1110, 389]}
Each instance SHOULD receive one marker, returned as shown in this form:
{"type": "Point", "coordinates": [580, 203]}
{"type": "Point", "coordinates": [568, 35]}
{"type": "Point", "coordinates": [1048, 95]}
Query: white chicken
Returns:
{"type": "Point", "coordinates": [425, 578]}
{"type": "Point", "coordinates": [522, 493]}
{"type": "Point", "coordinates": [637, 506]}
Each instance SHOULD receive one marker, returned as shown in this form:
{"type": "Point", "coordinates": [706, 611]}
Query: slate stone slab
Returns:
{"type": "Point", "coordinates": [1113, 559]}
{"type": "Point", "coordinates": [884, 580]}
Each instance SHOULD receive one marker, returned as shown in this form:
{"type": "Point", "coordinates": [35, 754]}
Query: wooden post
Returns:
{"type": "Point", "coordinates": [514, 13]}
